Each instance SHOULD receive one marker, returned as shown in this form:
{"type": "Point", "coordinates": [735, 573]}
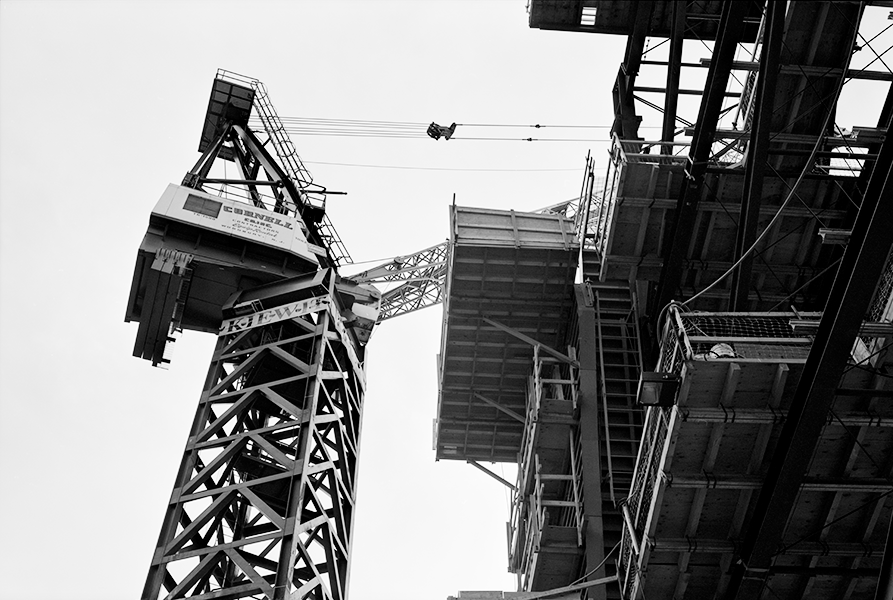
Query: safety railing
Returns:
{"type": "Point", "coordinates": [746, 102]}
{"type": "Point", "coordinates": [294, 167]}
{"type": "Point", "coordinates": [598, 217]}
{"type": "Point", "coordinates": [527, 530]}
{"type": "Point", "coordinates": [603, 392]}
{"type": "Point", "coordinates": [688, 337]}
{"type": "Point", "coordinates": [552, 398]}
{"type": "Point", "coordinates": [576, 488]}
{"type": "Point", "coordinates": [731, 336]}
{"type": "Point", "coordinates": [637, 505]}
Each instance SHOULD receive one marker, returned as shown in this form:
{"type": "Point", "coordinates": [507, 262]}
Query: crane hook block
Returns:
{"type": "Point", "coordinates": [439, 131]}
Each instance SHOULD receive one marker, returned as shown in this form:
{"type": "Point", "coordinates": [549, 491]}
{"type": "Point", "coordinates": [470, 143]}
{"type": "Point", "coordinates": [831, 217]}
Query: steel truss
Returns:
{"type": "Point", "coordinates": [263, 503]}
{"type": "Point", "coordinates": [286, 187]}
{"type": "Point", "coordinates": [419, 278]}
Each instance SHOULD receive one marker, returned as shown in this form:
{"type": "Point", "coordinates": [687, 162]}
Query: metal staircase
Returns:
{"type": "Point", "coordinates": [619, 364]}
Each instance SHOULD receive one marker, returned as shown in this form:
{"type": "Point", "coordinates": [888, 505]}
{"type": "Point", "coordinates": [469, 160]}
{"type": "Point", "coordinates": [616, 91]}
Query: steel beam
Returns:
{"type": "Point", "coordinates": [731, 29]}
{"type": "Point", "coordinates": [849, 298]}
{"type": "Point", "coordinates": [824, 571]}
{"type": "Point", "coordinates": [684, 92]}
{"type": "Point", "coordinates": [529, 340]}
{"type": "Point", "coordinates": [708, 481]}
{"type": "Point", "coordinates": [249, 167]}
{"type": "Point", "coordinates": [717, 546]}
{"type": "Point", "coordinates": [204, 163]}
{"type": "Point", "coordinates": [674, 70]}
{"type": "Point", "coordinates": [763, 416]}
{"type": "Point", "coordinates": [481, 467]}
{"type": "Point", "coordinates": [500, 407]}
{"type": "Point", "coordinates": [757, 153]}
{"type": "Point", "coordinates": [626, 122]}
{"type": "Point", "coordinates": [593, 534]}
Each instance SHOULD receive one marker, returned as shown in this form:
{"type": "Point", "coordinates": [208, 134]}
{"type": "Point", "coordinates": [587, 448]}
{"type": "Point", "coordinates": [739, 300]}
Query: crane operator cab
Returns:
{"type": "Point", "coordinates": [199, 250]}
{"type": "Point", "coordinates": [202, 247]}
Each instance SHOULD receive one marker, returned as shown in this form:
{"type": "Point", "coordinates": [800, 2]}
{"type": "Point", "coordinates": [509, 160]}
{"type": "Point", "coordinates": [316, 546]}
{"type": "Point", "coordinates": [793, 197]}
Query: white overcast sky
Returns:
{"type": "Point", "coordinates": [101, 106]}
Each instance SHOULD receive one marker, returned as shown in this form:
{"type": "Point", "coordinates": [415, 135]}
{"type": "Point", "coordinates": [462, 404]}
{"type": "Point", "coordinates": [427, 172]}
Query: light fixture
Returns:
{"type": "Point", "coordinates": [248, 308]}
{"type": "Point", "coordinates": [657, 389]}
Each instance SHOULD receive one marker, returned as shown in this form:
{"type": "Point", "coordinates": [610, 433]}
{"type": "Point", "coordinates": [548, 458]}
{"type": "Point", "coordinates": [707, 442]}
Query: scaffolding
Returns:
{"type": "Point", "coordinates": [546, 521]}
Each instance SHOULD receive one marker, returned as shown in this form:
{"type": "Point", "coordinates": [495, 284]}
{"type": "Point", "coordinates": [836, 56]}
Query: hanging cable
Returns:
{"type": "Point", "coordinates": [599, 566]}
{"type": "Point", "coordinates": [537, 126]}
{"type": "Point", "coordinates": [805, 285]}
{"type": "Point", "coordinates": [412, 168]}
{"type": "Point", "coordinates": [530, 139]}
{"type": "Point", "coordinates": [415, 129]}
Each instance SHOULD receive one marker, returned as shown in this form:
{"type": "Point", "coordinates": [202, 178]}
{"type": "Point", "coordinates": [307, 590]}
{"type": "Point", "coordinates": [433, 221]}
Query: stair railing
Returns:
{"type": "Point", "coordinates": [577, 482]}
{"type": "Point", "coordinates": [604, 393]}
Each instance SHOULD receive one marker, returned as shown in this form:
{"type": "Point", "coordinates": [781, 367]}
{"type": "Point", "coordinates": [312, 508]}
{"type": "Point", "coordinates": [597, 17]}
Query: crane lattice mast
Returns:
{"type": "Point", "coordinates": [262, 505]}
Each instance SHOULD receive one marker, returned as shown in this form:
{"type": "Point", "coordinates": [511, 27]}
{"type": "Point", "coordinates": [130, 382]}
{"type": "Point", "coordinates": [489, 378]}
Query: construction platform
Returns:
{"type": "Point", "coordinates": [507, 270]}
{"type": "Point", "coordinates": [546, 525]}
{"type": "Point", "coordinates": [702, 462]}
{"type": "Point", "coordinates": [630, 228]}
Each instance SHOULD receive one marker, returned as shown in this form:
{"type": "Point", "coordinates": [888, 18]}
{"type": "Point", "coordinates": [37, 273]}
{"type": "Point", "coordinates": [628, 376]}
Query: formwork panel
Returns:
{"type": "Point", "coordinates": [516, 269]}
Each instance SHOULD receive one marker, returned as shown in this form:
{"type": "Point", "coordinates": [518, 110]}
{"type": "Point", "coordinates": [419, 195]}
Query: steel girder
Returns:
{"type": "Point", "coordinates": [848, 302]}
{"type": "Point", "coordinates": [593, 492]}
{"type": "Point", "coordinates": [731, 30]}
{"type": "Point", "coordinates": [626, 122]}
{"type": "Point", "coordinates": [674, 72]}
{"type": "Point", "coordinates": [757, 153]}
{"type": "Point", "coordinates": [263, 503]}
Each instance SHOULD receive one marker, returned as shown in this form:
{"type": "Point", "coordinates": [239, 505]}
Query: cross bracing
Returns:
{"type": "Point", "coordinates": [418, 280]}
{"type": "Point", "coordinates": [263, 503]}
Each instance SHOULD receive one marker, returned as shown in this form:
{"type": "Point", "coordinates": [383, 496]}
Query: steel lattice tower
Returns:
{"type": "Point", "coordinates": [263, 501]}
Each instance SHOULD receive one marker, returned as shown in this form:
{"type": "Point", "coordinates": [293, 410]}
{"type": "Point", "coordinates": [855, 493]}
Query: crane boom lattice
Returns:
{"type": "Point", "coordinates": [420, 279]}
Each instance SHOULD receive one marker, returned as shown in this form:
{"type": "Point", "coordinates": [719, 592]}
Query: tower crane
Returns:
{"type": "Point", "coordinates": [263, 501]}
